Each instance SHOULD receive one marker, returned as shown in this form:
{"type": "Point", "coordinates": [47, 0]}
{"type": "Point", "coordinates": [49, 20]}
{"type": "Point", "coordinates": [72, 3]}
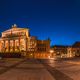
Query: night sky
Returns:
{"type": "Point", "coordinates": [58, 20]}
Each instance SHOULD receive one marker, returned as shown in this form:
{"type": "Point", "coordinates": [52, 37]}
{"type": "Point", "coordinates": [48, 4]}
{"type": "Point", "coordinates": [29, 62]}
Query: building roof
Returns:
{"type": "Point", "coordinates": [15, 28]}
{"type": "Point", "coordinates": [60, 46]}
{"type": "Point", "coordinates": [76, 44]}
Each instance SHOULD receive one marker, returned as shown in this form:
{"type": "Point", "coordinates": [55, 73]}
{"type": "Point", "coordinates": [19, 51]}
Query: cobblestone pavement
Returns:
{"type": "Point", "coordinates": [23, 69]}
{"type": "Point", "coordinates": [58, 75]}
{"type": "Point", "coordinates": [32, 69]}
{"type": "Point", "coordinates": [63, 69]}
{"type": "Point", "coordinates": [9, 63]}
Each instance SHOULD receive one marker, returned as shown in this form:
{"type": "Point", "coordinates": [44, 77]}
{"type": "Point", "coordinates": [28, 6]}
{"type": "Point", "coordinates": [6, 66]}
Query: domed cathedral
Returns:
{"type": "Point", "coordinates": [19, 40]}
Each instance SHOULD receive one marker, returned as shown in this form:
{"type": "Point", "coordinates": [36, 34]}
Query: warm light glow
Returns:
{"type": "Point", "coordinates": [18, 40]}
{"type": "Point", "coordinates": [49, 57]}
{"type": "Point", "coordinates": [51, 51]}
{"type": "Point", "coordinates": [31, 54]}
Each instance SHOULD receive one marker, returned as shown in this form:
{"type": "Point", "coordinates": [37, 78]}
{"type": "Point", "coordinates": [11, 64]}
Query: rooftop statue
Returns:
{"type": "Point", "coordinates": [14, 26]}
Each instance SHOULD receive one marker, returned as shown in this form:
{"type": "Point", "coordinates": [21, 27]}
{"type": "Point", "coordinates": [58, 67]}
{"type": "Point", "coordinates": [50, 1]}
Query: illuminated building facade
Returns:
{"type": "Point", "coordinates": [43, 48]}
{"type": "Point", "coordinates": [76, 48]}
{"type": "Point", "coordinates": [67, 51]}
{"type": "Point", "coordinates": [18, 40]}
{"type": "Point", "coordinates": [60, 50]}
{"type": "Point", "coordinates": [14, 39]}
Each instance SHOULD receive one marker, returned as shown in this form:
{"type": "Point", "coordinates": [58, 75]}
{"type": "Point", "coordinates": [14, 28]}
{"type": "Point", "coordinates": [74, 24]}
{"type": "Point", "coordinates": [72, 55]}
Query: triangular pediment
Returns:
{"type": "Point", "coordinates": [15, 28]}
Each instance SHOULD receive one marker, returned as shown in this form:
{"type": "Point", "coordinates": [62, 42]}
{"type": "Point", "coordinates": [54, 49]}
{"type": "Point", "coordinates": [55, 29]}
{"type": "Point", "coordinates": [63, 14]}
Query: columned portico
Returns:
{"type": "Point", "coordinates": [17, 40]}
{"type": "Point", "coordinates": [14, 39]}
{"type": "Point", "coordinates": [14, 45]}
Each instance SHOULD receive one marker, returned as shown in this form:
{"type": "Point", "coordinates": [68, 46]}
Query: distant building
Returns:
{"type": "Point", "coordinates": [60, 50]}
{"type": "Point", "coordinates": [70, 52]}
{"type": "Point", "coordinates": [76, 48]}
{"type": "Point", "coordinates": [42, 48]}
{"type": "Point", "coordinates": [43, 45]}
{"type": "Point", "coordinates": [18, 40]}
{"type": "Point", "coordinates": [66, 51]}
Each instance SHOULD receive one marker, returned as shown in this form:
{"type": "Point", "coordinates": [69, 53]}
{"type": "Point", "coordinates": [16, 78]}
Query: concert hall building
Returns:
{"type": "Point", "coordinates": [19, 40]}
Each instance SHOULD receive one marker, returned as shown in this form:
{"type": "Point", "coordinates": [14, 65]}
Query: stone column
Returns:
{"type": "Point", "coordinates": [25, 44]}
{"type": "Point", "coordinates": [19, 44]}
{"type": "Point", "coordinates": [4, 46]}
{"type": "Point", "coordinates": [13, 45]}
{"type": "Point", "coordinates": [8, 45]}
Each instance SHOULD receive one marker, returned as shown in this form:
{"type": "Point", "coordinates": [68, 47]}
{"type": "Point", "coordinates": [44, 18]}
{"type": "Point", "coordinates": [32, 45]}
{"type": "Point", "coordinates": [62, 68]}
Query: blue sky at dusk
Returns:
{"type": "Point", "coordinates": [57, 19]}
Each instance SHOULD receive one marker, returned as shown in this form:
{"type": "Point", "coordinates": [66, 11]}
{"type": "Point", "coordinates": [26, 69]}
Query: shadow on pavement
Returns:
{"type": "Point", "coordinates": [58, 75]}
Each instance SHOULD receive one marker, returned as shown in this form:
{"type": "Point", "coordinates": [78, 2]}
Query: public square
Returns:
{"type": "Point", "coordinates": [38, 69]}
